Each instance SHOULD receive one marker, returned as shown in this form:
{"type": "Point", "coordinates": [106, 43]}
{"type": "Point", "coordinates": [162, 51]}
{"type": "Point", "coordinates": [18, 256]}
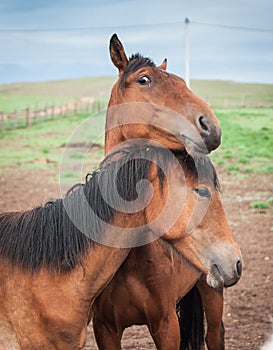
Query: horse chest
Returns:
{"type": "Point", "coordinates": [39, 313]}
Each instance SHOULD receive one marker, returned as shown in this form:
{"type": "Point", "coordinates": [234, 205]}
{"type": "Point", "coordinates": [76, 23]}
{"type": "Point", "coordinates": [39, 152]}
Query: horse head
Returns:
{"type": "Point", "coordinates": [149, 102]}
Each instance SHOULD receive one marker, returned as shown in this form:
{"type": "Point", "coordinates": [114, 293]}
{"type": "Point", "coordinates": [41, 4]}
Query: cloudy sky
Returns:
{"type": "Point", "coordinates": [58, 39]}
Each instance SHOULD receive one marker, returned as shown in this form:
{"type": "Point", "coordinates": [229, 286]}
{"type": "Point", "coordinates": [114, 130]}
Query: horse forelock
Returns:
{"type": "Point", "coordinates": [199, 168]}
{"type": "Point", "coordinates": [136, 62]}
{"type": "Point", "coordinates": [207, 171]}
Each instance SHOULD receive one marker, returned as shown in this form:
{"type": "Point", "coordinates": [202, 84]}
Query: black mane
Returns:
{"type": "Point", "coordinates": [200, 167]}
{"type": "Point", "coordinates": [136, 62]}
{"type": "Point", "coordinates": [47, 236]}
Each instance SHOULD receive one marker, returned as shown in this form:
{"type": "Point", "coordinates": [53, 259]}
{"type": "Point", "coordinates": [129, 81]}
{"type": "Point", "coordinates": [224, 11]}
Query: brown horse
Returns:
{"type": "Point", "coordinates": [154, 277]}
{"type": "Point", "coordinates": [52, 267]}
{"type": "Point", "coordinates": [145, 291]}
{"type": "Point", "coordinates": [147, 102]}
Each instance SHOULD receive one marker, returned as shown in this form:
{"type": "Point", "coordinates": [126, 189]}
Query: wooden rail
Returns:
{"type": "Point", "coordinates": [28, 117]}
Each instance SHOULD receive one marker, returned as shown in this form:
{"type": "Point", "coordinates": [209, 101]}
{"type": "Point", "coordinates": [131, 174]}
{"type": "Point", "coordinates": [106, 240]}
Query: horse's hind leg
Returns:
{"type": "Point", "coordinates": [166, 332]}
{"type": "Point", "coordinates": [213, 301]}
{"type": "Point", "coordinates": [107, 337]}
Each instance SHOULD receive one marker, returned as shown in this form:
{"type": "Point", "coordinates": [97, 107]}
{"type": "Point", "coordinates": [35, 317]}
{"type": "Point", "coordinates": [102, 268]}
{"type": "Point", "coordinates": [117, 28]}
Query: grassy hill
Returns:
{"type": "Point", "coordinates": [216, 93]}
{"type": "Point", "coordinates": [230, 93]}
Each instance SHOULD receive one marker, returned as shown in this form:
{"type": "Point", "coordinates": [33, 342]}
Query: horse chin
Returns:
{"type": "Point", "coordinates": [215, 280]}
{"type": "Point", "coordinates": [195, 149]}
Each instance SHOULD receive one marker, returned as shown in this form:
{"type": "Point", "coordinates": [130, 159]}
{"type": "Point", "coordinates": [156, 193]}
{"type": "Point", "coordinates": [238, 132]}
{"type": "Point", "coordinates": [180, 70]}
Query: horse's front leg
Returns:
{"type": "Point", "coordinates": [166, 332]}
{"type": "Point", "coordinates": [213, 302]}
{"type": "Point", "coordinates": [108, 337]}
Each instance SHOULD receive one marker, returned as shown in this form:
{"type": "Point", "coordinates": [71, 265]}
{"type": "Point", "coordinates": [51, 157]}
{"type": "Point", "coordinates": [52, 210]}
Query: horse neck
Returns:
{"type": "Point", "coordinates": [152, 251]}
{"type": "Point", "coordinates": [99, 266]}
{"type": "Point", "coordinates": [186, 275]}
{"type": "Point", "coordinates": [112, 134]}
{"type": "Point", "coordinates": [113, 137]}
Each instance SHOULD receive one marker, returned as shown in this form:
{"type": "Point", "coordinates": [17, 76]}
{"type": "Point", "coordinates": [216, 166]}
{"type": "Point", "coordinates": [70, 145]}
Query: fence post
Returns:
{"type": "Point", "coordinates": [75, 108]}
{"type": "Point", "coordinates": [88, 107]}
{"type": "Point", "coordinates": [45, 111]}
{"type": "Point", "coordinates": [27, 117]}
{"type": "Point", "coordinates": [62, 111]}
{"type": "Point", "coordinates": [35, 113]}
{"type": "Point", "coordinates": [66, 110]}
{"type": "Point", "coordinates": [52, 111]}
{"type": "Point", "coordinates": [69, 109]}
{"type": "Point", "coordinates": [15, 115]}
{"type": "Point", "coordinates": [2, 121]}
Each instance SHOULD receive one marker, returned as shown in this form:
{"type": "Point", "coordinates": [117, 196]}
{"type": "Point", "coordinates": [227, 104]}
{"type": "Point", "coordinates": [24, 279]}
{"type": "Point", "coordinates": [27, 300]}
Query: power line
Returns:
{"type": "Point", "coordinates": [226, 26]}
{"type": "Point", "coordinates": [114, 27]}
{"type": "Point", "coordinates": [65, 29]}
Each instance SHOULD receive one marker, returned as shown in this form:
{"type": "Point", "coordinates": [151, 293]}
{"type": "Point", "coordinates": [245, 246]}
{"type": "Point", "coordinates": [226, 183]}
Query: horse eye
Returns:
{"type": "Point", "coordinates": [203, 192]}
{"type": "Point", "coordinates": [144, 80]}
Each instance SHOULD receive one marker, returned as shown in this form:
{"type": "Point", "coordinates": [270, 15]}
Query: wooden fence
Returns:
{"type": "Point", "coordinates": [239, 101]}
{"type": "Point", "coordinates": [28, 117]}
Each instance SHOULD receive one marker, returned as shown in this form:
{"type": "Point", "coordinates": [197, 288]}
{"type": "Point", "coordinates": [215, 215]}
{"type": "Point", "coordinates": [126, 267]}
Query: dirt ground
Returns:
{"type": "Point", "coordinates": [248, 313]}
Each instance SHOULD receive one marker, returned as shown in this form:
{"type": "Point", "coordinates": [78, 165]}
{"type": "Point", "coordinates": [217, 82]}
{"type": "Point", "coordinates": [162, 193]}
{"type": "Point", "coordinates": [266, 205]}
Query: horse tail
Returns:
{"type": "Point", "coordinates": [190, 314]}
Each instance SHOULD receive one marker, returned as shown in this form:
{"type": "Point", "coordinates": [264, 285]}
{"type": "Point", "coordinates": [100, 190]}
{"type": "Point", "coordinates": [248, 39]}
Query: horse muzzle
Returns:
{"type": "Point", "coordinates": [201, 141]}
{"type": "Point", "coordinates": [213, 140]}
{"type": "Point", "coordinates": [221, 275]}
{"type": "Point", "coordinates": [211, 135]}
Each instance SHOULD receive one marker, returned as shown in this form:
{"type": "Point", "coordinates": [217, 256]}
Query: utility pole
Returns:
{"type": "Point", "coordinates": [187, 53]}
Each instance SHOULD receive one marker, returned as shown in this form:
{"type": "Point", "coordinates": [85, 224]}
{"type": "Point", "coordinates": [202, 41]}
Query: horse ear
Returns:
{"type": "Point", "coordinates": [117, 53]}
{"type": "Point", "coordinates": [163, 65]}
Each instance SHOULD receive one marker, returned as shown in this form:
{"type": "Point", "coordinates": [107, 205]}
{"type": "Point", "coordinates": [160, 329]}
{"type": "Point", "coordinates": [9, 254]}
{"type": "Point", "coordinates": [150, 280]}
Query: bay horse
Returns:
{"type": "Point", "coordinates": [148, 102]}
{"type": "Point", "coordinates": [52, 267]}
{"type": "Point", "coordinates": [154, 277]}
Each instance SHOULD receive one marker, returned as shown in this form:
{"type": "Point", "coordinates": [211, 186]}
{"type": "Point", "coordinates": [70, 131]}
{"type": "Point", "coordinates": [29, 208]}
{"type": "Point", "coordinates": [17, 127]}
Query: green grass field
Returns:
{"type": "Point", "coordinates": [218, 93]}
{"type": "Point", "coordinates": [46, 140]}
{"type": "Point", "coordinates": [247, 141]}
{"type": "Point", "coordinates": [20, 95]}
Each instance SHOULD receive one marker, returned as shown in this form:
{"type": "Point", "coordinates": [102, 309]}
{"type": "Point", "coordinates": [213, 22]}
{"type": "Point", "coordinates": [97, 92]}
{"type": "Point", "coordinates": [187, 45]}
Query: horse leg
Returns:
{"type": "Point", "coordinates": [107, 337]}
{"type": "Point", "coordinates": [213, 302]}
{"type": "Point", "coordinates": [166, 332]}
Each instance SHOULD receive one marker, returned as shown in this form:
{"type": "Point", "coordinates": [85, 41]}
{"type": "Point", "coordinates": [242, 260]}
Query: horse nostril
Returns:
{"type": "Point", "coordinates": [239, 268]}
{"type": "Point", "coordinates": [204, 125]}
